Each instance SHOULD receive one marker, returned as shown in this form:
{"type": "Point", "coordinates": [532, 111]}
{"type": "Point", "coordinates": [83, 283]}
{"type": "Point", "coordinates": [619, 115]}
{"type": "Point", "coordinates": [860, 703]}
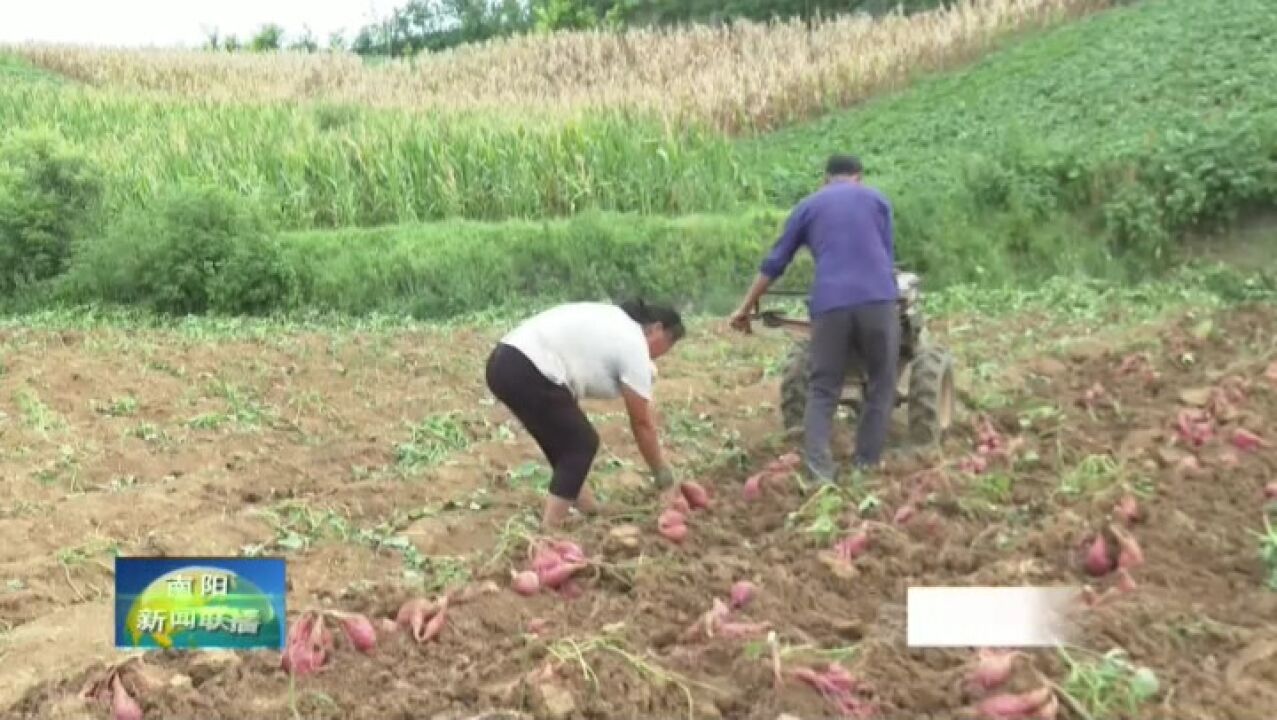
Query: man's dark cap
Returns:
{"type": "Point", "coordinates": [843, 165]}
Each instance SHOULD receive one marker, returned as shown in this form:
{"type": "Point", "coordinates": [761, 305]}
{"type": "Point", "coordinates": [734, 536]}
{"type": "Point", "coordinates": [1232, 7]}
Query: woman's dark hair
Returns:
{"type": "Point", "coordinates": [645, 313]}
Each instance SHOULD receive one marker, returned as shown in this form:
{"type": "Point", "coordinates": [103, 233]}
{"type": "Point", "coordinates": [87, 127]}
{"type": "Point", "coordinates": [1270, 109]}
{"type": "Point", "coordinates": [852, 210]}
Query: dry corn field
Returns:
{"type": "Point", "coordinates": [742, 78]}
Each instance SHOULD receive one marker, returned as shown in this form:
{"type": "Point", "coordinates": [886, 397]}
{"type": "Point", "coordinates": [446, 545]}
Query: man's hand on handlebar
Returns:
{"type": "Point", "coordinates": [739, 321]}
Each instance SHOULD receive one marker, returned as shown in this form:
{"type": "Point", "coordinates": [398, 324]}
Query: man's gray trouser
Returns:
{"type": "Point", "coordinates": [870, 333]}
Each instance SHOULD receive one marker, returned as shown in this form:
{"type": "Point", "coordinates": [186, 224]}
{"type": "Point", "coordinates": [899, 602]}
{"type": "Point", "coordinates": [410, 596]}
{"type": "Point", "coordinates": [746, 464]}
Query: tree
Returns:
{"type": "Point", "coordinates": [551, 15]}
{"type": "Point", "coordinates": [212, 40]}
{"type": "Point", "coordinates": [676, 12]}
{"type": "Point", "coordinates": [431, 25]}
{"type": "Point", "coordinates": [266, 39]}
{"type": "Point", "coordinates": [440, 24]}
{"type": "Point", "coordinates": [305, 42]}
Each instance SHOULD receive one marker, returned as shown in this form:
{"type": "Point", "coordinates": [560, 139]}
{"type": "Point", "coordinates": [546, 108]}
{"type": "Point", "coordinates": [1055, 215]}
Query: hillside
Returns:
{"type": "Point", "coordinates": [1089, 148]}
{"type": "Point", "coordinates": [523, 128]}
{"type": "Point", "coordinates": [1130, 128]}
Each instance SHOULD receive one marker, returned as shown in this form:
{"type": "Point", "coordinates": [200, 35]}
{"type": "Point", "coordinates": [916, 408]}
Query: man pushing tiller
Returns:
{"type": "Point", "coordinates": [847, 226]}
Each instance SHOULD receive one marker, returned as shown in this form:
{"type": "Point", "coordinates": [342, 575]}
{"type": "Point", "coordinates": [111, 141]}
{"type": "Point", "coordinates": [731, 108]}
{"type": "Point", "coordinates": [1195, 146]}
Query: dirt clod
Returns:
{"type": "Point", "coordinates": [554, 701]}
{"type": "Point", "coordinates": [1195, 397]}
{"type": "Point", "coordinates": [626, 536]}
{"type": "Point", "coordinates": [207, 664]}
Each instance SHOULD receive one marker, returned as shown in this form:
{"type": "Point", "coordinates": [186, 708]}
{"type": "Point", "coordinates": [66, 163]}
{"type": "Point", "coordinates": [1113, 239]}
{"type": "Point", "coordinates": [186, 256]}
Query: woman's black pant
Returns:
{"type": "Point", "coordinates": [549, 413]}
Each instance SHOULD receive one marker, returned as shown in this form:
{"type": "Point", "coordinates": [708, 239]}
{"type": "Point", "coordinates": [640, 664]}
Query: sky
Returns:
{"type": "Point", "coordinates": [173, 23]}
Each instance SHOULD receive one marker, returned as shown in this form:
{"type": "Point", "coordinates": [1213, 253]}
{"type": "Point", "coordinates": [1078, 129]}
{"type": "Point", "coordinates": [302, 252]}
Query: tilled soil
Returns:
{"type": "Point", "coordinates": [1085, 429]}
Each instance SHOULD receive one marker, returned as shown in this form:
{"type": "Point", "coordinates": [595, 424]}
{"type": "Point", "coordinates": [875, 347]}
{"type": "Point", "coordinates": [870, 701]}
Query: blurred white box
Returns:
{"type": "Point", "coordinates": [1000, 617]}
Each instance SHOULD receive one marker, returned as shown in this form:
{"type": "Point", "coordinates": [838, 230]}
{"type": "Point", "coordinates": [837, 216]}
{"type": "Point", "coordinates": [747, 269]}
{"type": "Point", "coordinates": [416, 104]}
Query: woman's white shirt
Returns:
{"type": "Point", "coordinates": [591, 348]}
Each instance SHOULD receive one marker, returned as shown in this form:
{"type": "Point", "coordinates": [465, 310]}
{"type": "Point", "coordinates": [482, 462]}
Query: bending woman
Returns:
{"type": "Point", "coordinates": [586, 350]}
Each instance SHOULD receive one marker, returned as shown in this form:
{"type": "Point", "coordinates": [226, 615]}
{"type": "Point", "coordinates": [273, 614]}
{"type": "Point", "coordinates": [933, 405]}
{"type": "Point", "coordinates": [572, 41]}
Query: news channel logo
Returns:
{"type": "Point", "coordinates": [199, 603]}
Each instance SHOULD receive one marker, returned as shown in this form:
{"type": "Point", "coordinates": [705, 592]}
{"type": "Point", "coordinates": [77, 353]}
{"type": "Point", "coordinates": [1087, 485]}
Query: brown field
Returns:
{"type": "Point", "coordinates": [150, 441]}
{"type": "Point", "coordinates": [747, 77]}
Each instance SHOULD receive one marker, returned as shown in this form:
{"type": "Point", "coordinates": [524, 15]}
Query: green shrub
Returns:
{"type": "Point", "coordinates": [196, 250]}
{"type": "Point", "coordinates": [441, 270]}
{"type": "Point", "coordinates": [50, 197]}
{"type": "Point", "coordinates": [1197, 179]}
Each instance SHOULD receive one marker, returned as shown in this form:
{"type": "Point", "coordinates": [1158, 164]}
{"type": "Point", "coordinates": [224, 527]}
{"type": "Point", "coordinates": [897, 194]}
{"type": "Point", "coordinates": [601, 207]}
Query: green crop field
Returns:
{"type": "Point", "coordinates": [514, 130]}
{"type": "Point", "coordinates": [338, 166]}
{"type": "Point", "coordinates": [1115, 134]}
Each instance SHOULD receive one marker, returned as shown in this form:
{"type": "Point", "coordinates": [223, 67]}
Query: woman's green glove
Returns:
{"type": "Point", "coordinates": [664, 477]}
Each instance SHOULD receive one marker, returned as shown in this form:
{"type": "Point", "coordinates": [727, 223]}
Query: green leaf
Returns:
{"type": "Point", "coordinates": [399, 542]}
{"type": "Point", "coordinates": [1144, 684]}
{"type": "Point", "coordinates": [292, 541]}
